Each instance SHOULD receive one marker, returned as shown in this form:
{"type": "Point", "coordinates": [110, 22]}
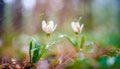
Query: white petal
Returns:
{"type": "Point", "coordinates": [73, 25]}
{"type": "Point", "coordinates": [54, 27]}
{"type": "Point", "coordinates": [81, 27]}
{"type": "Point", "coordinates": [77, 24]}
{"type": "Point", "coordinates": [51, 23]}
{"type": "Point", "coordinates": [43, 25]}
{"type": "Point", "coordinates": [48, 29]}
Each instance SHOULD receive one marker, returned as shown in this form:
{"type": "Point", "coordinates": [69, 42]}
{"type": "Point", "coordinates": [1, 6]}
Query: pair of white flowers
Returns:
{"type": "Point", "coordinates": [50, 26]}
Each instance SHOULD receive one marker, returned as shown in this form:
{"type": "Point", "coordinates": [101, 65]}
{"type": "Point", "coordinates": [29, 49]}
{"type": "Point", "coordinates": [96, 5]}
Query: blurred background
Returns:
{"type": "Point", "coordinates": [21, 19]}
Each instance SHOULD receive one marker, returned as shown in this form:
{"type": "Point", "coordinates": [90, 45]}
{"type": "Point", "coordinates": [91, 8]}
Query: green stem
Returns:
{"type": "Point", "coordinates": [82, 41]}
{"type": "Point", "coordinates": [77, 39]}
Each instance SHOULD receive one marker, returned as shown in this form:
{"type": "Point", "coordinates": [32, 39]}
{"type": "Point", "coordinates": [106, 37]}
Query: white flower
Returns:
{"type": "Point", "coordinates": [77, 28]}
{"type": "Point", "coordinates": [48, 27]}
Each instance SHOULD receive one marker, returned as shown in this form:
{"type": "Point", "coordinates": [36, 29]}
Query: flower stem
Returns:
{"type": "Point", "coordinates": [77, 39]}
{"type": "Point", "coordinates": [47, 38]}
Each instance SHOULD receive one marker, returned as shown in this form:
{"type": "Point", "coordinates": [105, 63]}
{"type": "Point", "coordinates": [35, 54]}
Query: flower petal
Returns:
{"type": "Point", "coordinates": [48, 28]}
{"type": "Point", "coordinates": [44, 25]}
{"type": "Point", "coordinates": [54, 27]}
{"type": "Point", "coordinates": [51, 23]}
{"type": "Point", "coordinates": [81, 27]}
{"type": "Point", "coordinates": [73, 25]}
{"type": "Point", "coordinates": [77, 24]}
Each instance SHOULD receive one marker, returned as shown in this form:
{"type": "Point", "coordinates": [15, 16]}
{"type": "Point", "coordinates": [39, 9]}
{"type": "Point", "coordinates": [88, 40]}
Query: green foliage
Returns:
{"type": "Point", "coordinates": [117, 62]}
{"type": "Point", "coordinates": [30, 51]}
{"type": "Point", "coordinates": [34, 51]}
{"type": "Point", "coordinates": [80, 64]}
{"type": "Point", "coordinates": [82, 42]}
{"type": "Point", "coordinates": [106, 62]}
{"type": "Point", "coordinates": [73, 41]}
{"type": "Point", "coordinates": [103, 62]}
{"type": "Point", "coordinates": [114, 39]}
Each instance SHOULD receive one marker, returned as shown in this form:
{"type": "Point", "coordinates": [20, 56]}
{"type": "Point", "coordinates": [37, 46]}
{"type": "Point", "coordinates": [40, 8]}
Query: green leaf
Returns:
{"type": "Point", "coordinates": [73, 41]}
{"type": "Point", "coordinates": [82, 42]}
{"type": "Point", "coordinates": [30, 48]}
{"type": "Point", "coordinates": [35, 41]}
{"type": "Point", "coordinates": [35, 50]}
{"type": "Point", "coordinates": [103, 62]}
{"type": "Point", "coordinates": [44, 49]}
